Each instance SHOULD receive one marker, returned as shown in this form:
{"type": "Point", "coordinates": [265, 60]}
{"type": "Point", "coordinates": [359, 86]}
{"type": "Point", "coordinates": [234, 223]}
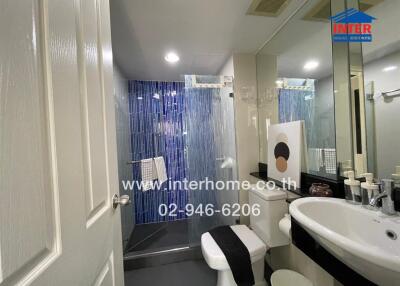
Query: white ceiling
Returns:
{"type": "Point", "coordinates": [300, 41]}
{"type": "Point", "coordinates": [385, 30]}
{"type": "Point", "coordinates": [203, 32]}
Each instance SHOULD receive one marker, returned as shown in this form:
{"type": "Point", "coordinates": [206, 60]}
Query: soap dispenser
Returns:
{"type": "Point", "coordinates": [352, 188]}
{"type": "Point", "coordinates": [369, 190]}
{"type": "Point", "coordinates": [396, 179]}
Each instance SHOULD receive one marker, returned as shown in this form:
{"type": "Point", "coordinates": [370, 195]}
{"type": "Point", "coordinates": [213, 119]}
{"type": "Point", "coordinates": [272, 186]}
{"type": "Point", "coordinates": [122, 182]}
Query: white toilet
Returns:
{"type": "Point", "coordinates": [264, 234]}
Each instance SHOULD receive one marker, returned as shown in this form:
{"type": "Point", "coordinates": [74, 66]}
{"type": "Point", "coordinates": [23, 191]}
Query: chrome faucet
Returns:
{"type": "Point", "coordinates": [386, 196]}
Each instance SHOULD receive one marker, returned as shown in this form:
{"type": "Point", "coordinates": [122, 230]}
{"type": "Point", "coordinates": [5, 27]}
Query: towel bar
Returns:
{"type": "Point", "coordinates": [387, 93]}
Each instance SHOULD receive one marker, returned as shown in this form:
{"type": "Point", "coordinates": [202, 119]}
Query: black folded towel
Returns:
{"type": "Point", "coordinates": [236, 254]}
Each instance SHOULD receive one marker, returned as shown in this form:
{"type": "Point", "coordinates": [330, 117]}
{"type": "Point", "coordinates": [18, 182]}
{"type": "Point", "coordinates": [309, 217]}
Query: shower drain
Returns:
{"type": "Point", "coordinates": [391, 234]}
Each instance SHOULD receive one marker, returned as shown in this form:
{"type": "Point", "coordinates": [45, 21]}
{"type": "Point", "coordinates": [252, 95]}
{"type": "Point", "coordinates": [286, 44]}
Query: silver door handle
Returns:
{"type": "Point", "coordinates": [120, 200]}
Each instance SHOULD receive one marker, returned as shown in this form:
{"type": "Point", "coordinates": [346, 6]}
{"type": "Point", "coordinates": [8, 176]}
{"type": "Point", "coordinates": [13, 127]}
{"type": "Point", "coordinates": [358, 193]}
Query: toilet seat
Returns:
{"type": "Point", "coordinates": [214, 256]}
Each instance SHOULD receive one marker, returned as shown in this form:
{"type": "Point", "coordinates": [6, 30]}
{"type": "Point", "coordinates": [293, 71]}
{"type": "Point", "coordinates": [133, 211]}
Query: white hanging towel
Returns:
{"type": "Point", "coordinates": [155, 173]}
{"type": "Point", "coordinates": [147, 174]}
{"type": "Point", "coordinates": [161, 170]}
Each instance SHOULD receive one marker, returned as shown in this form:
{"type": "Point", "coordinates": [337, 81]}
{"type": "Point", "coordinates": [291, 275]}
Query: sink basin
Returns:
{"type": "Point", "coordinates": [366, 241]}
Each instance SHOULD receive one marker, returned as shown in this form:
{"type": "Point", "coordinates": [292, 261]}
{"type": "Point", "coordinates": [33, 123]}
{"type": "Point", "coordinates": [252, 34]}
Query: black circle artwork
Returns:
{"type": "Point", "coordinates": [282, 150]}
{"type": "Point", "coordinates": [282, 153]}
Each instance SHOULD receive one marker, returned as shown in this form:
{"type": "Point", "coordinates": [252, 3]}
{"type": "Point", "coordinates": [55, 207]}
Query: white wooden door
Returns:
{"type": "Point", "coordinates": [58, 169]}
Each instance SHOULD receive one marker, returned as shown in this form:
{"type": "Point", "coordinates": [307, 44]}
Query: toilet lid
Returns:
{"type": "Point", "coordinates": [212, 252]}
{"type": "Point", "coordinates": [269, 195]}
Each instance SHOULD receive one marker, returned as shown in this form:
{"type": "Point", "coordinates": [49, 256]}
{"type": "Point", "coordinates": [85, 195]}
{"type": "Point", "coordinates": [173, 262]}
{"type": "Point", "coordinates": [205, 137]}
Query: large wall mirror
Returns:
{"type": "Point", "coordinates": [367, 107]}
{"type": "Point", "coordinates": [295, 82]}
{"type": "Point", "coordinates": [348, 94]}
{"type": "Point", "coordinates": [381, 69]}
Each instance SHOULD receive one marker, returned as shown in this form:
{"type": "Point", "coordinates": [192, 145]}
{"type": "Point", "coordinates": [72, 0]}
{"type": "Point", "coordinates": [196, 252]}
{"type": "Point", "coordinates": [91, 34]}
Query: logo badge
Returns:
{"type": "Point", "coordinates": [352, 25]}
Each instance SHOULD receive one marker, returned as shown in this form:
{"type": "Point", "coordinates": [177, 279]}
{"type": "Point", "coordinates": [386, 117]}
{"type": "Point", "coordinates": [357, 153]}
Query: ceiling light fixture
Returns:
{"type": "Point", "coordinates": [389, 68]}
{"type": "Point", "coordinates": [171, 57]}
{"type": "Point", "coordinates": [311, 65]}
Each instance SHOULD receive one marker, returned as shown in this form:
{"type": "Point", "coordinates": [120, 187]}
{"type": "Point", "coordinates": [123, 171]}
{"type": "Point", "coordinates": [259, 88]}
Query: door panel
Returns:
{"type": "Point", "coordinates": [93, 109]}
{"type": "Point", "coordinates": [106, 276]}
{"type": "Point", "coordinates": [58, 168]}
{"type": "Point", "coordinates": [29, 192]}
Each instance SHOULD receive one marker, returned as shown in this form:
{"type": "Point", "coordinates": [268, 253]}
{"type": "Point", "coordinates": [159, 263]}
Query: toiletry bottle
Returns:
{"type": "Point", "coordinates": [352, 188]}
{"type": "Point", "coordinates": [396, 179]}
{"type": "Point", "coordinates": [369, 190]}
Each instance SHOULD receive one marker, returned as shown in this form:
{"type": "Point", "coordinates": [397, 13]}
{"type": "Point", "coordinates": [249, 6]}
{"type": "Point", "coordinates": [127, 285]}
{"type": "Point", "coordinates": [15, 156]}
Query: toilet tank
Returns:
{"type": "Point", "coordinates": [273, 207]}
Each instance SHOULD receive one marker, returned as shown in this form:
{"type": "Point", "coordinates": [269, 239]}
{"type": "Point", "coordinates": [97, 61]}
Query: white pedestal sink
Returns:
{"type": "Point", "coordinates": [366, 241]}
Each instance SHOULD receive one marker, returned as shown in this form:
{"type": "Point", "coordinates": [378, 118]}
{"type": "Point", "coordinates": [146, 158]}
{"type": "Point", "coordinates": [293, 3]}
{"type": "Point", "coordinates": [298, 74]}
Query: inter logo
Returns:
{"type": "Point", "coordinates": [352, 25]}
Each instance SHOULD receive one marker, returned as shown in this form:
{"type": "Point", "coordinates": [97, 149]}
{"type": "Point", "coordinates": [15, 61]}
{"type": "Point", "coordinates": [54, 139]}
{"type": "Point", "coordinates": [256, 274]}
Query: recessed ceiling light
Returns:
{"type": "Point", "coordinates": [389, 68]}
{"type": "Point", "coordinates": [311, 65]}
{"type": "Point", "coordinates": [171, 57]}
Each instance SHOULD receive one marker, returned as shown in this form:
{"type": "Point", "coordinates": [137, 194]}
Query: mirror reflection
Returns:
{"type": "Point", "coordinates": [295, 82]}
{"type": "Point", "coordinates": [381, 61]}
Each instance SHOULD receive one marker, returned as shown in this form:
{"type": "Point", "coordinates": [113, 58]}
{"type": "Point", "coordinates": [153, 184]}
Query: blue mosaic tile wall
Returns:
{"type": "Point", "coordinates": [192, 128]}
{"type": "Point", "coordinates": [202, 149]}
{"type": "Point", "coordinates": [204, 123]}
{"type": "Point", "coordinates": [157, 122]}
{"type": "Point", "coordinates": [297, 105]}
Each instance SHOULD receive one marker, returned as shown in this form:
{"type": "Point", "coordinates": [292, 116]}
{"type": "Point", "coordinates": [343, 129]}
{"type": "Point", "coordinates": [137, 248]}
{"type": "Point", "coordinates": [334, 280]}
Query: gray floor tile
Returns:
{"type": "Point", "coordinates": [193, 273]}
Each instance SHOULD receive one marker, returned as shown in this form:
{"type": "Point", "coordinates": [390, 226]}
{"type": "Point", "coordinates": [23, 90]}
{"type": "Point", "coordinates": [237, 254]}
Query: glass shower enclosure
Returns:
{"type": "Point", "coordinates": [211, 151]}
{"type": "Point", "coordinates": [190, 124]}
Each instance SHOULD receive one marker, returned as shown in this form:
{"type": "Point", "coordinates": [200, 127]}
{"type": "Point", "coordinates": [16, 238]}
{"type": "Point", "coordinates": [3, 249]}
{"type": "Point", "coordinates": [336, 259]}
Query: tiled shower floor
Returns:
{"type": "Point", "coordinates": [159, 235]}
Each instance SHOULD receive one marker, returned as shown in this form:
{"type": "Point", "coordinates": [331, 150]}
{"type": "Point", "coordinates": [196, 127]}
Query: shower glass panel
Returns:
{"type": "Point", "coordinates": [190, 124]}
{"type": "Point", "coordinates": [210, 152]}
{"type": "Point", "coordinates": [157, 130]}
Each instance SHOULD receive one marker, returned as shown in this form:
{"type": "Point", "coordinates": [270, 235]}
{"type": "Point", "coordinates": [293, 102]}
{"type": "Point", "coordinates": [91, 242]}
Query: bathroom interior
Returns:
{"type": "Point", "coordinates": [199, 84]}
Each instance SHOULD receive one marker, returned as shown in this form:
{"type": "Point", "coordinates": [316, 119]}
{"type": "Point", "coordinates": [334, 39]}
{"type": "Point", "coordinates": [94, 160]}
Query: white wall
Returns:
{"type": "Point", "coordinates": [246, 119]}
{"type": "Point", "coordinates": [243, 68]}
{"type": "Point", "coordinates": [387, 113]}
{"type": "Point", "coordinates": [267, 99]}
{"type": "Point", "coordinates": [227, 68]}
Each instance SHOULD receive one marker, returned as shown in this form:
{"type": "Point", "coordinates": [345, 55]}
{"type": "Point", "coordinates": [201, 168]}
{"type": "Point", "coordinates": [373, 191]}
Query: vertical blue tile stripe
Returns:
{"type": "Point", "coordinates": [157, 129]}
{"type": "Point", "coordinates": [297, 105]}
{"type": "Point", "coordinates": [185, 125]}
